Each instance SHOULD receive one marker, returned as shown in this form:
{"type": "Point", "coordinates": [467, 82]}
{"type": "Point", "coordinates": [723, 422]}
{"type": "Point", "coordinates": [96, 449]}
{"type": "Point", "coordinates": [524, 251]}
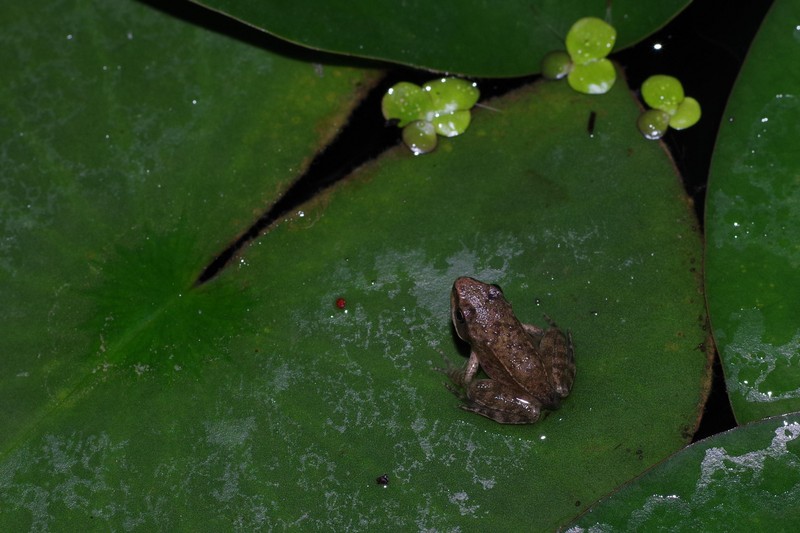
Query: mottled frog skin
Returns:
{"type": "Point", "coordinates": [530, 370]}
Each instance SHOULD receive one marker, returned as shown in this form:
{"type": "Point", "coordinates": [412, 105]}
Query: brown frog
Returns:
{"type": "Point", "coordinates": [530, 369]}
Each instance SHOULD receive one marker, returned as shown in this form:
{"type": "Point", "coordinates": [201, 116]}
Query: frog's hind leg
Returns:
{"type": "Point", "coordinates": [534, 331]}
{"type": "Point", "coordinates": [558, 356]}
{"type": "Point", "coordinates": [494, 400]}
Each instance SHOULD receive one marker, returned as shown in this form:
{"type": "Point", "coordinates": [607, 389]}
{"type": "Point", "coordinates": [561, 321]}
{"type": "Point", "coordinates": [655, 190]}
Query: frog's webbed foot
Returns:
{"type": "Point", "coordinates": [458, 392]}
{"type": "Point", "coordinates": [455, 374]}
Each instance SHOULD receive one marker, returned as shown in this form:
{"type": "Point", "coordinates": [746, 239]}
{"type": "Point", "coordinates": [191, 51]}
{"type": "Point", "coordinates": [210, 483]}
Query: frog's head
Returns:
{"type": "Point", "coordinates": [473, 306]}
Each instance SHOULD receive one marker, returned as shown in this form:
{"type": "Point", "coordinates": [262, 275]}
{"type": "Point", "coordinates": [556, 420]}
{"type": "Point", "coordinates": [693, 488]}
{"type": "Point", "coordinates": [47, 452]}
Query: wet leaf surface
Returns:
{"type": "Point", "coordinates": [259, 399]}
{"type": "Point", "coordinates": [753, 212]}
{"type": "Point", "coordinates": [469, 37]}
{"type": "Point", "coordinates": [746, 479]}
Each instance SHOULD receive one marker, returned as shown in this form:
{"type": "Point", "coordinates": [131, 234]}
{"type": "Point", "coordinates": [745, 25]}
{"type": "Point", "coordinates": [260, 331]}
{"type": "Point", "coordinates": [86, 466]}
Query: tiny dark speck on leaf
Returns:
{"type": "Point", "coordinates": [590, 125]}
{"type": "Point", "coordinates": [577, 503]}
{"type": "Point", "coordinates": [382, 480]}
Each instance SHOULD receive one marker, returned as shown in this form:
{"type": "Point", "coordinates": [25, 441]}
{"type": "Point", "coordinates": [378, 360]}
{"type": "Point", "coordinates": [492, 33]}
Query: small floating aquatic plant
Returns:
{"type": "Point", "coordinates": [587, 70]}
{"type": "Point", "coordinates": [440, 107]}
{"type": "Point", "coordinates": [584, 63]}
{"type": "Point", "coordinates": [670, 108]}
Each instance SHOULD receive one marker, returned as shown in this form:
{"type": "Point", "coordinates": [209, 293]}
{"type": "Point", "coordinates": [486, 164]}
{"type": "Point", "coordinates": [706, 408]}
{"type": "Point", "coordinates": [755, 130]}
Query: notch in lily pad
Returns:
{"type": "Point", "coordinates": [440, 107]}
{"type": "Point", "coordinates": [670, 107]}
{"type": "Point", "coordinates": [584, 63]}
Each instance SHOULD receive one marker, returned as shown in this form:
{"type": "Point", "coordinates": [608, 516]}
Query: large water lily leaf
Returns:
{"type": "Point", "coordinates": [753, 246]}
{"type": "Point", "coordinates": [469, 37]}
{"type": "Point", "coordinates": [134, 148]}
{"type": "Point", "coordinates": [747, 479]}
{"type": "Point", "coordinates": [137, 399]}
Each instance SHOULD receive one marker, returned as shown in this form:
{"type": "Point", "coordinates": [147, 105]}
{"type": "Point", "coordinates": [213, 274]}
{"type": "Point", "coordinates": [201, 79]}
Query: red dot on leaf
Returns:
{"type": "Point", "coordinates": [340, 303]}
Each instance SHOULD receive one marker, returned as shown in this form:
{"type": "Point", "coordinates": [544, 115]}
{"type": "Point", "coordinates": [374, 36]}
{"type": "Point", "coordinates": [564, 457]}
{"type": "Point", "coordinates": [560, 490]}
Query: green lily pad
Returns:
{"type": "Point", "coordinates": [753, 212]}
{"type": "Point", "coordinates": [278, 393]}
{"type": "Point", "coordinates": [468, 37]}
{"type": "Point", "coordinates": [747, 479]}
{"type": "Point", "coordinates": [129, 162]}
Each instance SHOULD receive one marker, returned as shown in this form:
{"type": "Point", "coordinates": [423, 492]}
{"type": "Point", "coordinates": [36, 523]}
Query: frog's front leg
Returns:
{"type": "Point", "coordinates": [461, 377]}
{"type": "Point", "coordinates": [498, 401]}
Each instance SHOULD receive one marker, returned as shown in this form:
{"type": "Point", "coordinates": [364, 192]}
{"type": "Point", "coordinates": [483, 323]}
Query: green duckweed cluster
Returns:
{"type": "Point", "coordinates": [442, 107]}
{"type": "Point", "coordinates": [670, 108]}
{"type": "Point", "coordinates": [587, 70]}
{"type": "Point", "coordinates": [584, 62]}
{"type": "Point", "coordinates": [438, 108]}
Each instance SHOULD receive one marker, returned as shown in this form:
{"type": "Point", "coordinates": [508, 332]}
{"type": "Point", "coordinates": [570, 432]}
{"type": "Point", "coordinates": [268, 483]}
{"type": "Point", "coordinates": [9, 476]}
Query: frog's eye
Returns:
{"type": "Point", "coordinates": [498, 291]}
{"type": "Point", "coordinates": [460, 316]}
